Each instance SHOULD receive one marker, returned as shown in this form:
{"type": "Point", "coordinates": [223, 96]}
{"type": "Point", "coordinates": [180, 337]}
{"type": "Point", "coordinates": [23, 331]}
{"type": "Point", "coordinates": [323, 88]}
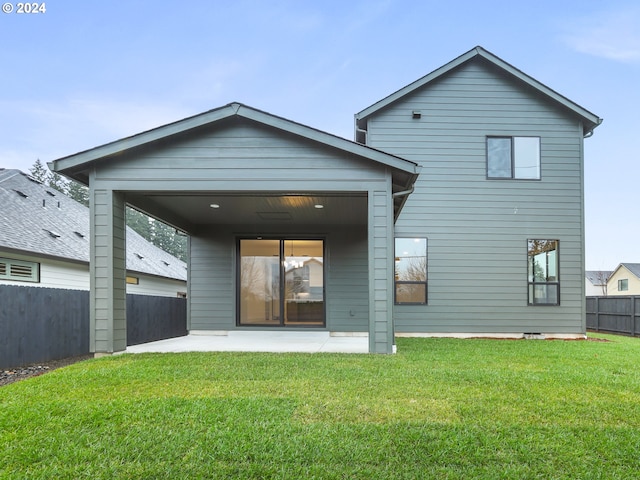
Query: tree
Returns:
{"type": "Point", "coordinates": [39, 171]}
{"type": "Point", "coordinates": [602, 277]}
{"type": "Point", "coordinates": [78, 192]}
{"type": "Point", "coordinates": [154, 231]}
{"type": "Point", "coordinates": [55, 180]}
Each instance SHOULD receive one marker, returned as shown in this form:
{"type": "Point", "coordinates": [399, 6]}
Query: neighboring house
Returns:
{"type": "Point", "coordinates": [625, 280]}
{"type": "Point", "coordinates": [596, 282]}
{"type": "Point", "coordinates": [458, 210]}
{"type": "Point", "coordinates": [44, 242]}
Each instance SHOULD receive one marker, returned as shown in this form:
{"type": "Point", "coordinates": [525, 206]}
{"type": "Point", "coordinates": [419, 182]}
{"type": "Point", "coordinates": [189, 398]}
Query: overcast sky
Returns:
{"type": "Point", "coordinates": [85, 73]}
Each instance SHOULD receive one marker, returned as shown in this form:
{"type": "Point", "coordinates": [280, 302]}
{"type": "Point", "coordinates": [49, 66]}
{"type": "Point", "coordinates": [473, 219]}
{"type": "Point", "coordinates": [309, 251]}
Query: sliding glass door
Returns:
{"type": "Point", "coordinates": [281, 282]}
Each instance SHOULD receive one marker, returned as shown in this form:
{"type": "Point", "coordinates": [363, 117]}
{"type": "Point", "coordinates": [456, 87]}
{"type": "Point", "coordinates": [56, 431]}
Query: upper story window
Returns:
{"type": "Point", "coordinates": [513, 158]}
{"type": "Point", "coordinates": [18, 270]}
{"type": "Point", "coordinates": [543, 272]}
{"type": "Point", "coordinates": [623, 285]}
{"type": "Point", "coordinates": [411, 271]}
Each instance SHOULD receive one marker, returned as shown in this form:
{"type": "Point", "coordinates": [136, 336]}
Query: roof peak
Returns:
{"type": "Point", "coordinates": [591, 121]}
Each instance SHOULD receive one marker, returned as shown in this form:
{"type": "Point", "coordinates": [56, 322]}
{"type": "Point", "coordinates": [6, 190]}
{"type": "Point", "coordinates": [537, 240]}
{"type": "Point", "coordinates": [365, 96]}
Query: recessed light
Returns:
{"type": "Point", "coordinates": [317, 205]}
{"type": "Point", "coordinates": [214, 205]}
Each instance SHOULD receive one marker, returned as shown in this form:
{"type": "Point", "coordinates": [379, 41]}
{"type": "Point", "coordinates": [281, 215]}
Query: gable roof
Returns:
{"type": "Point", "coordinates": [634, 268]}
{"type": "Point", "coordinates": [75, 166]}
{"type": "Point", "coordinates": [590, 120]}
{"type": "Point", "coordinates": [40, 220]}
{"type": "Point", "coordinates": [598, 277]}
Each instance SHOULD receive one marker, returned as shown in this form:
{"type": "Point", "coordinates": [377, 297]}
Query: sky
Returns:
{"type": "Point", "coordinates": [84, 73]}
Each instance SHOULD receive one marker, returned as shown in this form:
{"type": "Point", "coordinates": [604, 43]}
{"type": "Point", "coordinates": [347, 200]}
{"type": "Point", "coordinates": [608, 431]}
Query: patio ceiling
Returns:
{"type": "Point", "coordinates": [189, 210]}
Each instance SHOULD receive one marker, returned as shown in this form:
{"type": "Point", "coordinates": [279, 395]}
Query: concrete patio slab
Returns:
{"type": "Point", "coordinates": [258, 341]}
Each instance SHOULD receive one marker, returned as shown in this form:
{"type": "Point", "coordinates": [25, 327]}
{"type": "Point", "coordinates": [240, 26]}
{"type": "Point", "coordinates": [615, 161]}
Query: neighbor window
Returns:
{"type": "Point", "coordinates": [411, 271]}
{"type": "Point", "coordinates": [513, 158]}
{"type": "Point", "coordinates": [18, 270]}
{"type": "Point", "coordinates": [623, 285]}
{"type": "Point", "coordinates": [543, 276]}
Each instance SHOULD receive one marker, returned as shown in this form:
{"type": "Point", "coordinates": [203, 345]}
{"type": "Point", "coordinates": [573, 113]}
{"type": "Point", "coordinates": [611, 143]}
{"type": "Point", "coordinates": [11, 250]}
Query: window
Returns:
{"type": "Point", "coordinates": [513, 158]}
{"type": "Point", "coordinates": [411, 271]}
{"type": "Point", "coordinates": [543, 273]}
{"type": "Point", "coordinates": [623, 285]}
{"type": "Point", "coordinates": [18, 270]}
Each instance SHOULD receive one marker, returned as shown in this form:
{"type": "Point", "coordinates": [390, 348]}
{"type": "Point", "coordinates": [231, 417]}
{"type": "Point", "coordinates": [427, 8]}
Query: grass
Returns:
{"type": "Point", "coordinates": [440, 408]}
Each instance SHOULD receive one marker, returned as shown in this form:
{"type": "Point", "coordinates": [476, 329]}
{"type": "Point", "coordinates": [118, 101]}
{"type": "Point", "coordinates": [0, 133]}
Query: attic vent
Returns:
{"type": "Point", "coordinates": [51, 193]}
{"type": "Point", "coordinates": [139, 256]}
{"type": "Point", "coordinates": [18, 270]}
{"type": "Point", "coordinates": [79, 234]}
{"type": "Point", "coordinates": [52, 234]}
{"type": "Point", "coordinates": [22, 194]}
{"type": "Point", "coordinates": [416, 114]}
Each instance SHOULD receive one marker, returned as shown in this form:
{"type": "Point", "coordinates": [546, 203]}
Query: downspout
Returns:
{"type": "Point", "coordinates": [404, 192]}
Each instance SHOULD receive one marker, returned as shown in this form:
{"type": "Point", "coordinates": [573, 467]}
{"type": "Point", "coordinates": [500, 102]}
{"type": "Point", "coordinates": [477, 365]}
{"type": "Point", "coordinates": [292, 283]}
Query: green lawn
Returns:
{"type": "Point", "coordinates": [440, 408]}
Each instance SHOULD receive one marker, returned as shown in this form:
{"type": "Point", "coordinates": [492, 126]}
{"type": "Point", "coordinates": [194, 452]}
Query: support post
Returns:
{"type": "Point", "coordinates": [381, 330]}
{"type": "Point", "coordinates": [108, 298]}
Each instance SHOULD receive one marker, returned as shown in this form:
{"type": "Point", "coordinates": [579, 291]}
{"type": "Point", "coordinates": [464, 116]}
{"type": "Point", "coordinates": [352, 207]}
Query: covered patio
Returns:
{"type": "Point", "coordinates": [290, 228]}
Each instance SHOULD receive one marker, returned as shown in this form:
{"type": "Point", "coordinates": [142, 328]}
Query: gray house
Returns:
{"type": "Point", "coordinates": [457, 210]}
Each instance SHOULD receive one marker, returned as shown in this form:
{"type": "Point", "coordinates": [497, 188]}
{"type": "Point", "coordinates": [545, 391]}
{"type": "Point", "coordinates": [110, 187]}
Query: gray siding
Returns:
{"type": "Point", "coordinates": [211, 279]}
{"type": "Point", "coordinates": [108, 287]}
{"type": "Point", "coordinates": [347, 277]}
{"type": "Point", "coordinates": [238, 156]}
{"type": "Point", "coordinates": [381, 334]}
{"type": "Point", "coordinates": [478, 228]}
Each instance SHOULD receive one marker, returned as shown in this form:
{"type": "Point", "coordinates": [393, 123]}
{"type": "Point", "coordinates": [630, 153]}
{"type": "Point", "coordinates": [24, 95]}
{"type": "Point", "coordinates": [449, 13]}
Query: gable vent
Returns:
{"type": "Point", "coordinates": [19, 270]}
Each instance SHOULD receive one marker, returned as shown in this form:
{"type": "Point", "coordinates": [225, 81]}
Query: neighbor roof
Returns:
{"type": "Point", "coordinates": [632, 267]}
{"type": "Point", "coordinates": [598, 277]}
{"type": "Point", "coordinates": [591, 121]}
{"type": "Point", "coordinates": [40, 220]}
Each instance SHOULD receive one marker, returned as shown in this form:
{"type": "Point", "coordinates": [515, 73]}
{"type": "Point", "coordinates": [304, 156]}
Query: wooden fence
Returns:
{"type": "Point", "coordinates": [615, 314]}
{"type": "Point", "coordinates": [42, 324]}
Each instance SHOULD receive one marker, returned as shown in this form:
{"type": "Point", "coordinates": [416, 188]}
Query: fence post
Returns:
{"type": "Point", "coordinates": [634, 323]}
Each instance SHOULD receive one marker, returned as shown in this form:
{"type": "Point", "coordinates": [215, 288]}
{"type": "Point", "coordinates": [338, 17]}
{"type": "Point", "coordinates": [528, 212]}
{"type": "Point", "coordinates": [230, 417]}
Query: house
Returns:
{"type": "Point", "coordinates": [596, 282]}
{"type": "Point", "coordinates": [44, 242]}
{"type": "Point", "coordinates": [625, 280]}
{"type": "Point", "coordinates": [457, 210]}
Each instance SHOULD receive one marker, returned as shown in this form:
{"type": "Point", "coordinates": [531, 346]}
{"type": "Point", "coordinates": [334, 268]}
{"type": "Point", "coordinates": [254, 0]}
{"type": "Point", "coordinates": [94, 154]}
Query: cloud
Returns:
{"type": "Point", "coordinates": [614, 35]}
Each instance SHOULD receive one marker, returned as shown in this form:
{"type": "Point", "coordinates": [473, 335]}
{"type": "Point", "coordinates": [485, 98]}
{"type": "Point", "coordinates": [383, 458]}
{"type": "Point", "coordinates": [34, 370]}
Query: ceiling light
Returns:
{"type": "Point", "coordinates": [214, 205]}
{"type": "Point", "coordinates": [318, 205]}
